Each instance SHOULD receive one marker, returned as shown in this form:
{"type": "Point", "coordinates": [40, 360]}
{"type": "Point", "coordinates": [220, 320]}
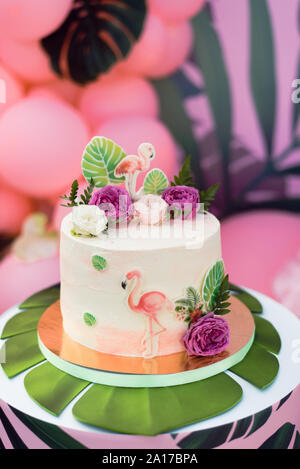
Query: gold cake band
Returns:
{"type": "Point", "coordinates": [53, 338]}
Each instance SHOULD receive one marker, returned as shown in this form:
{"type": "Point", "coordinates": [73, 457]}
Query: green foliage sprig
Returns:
{"type": "Point", "coordinates": [87, 193]}
{"type": "Point", "coordinates": [185, 178]}
{"type": "Point", "coordinates": [73, 196]}
{"type": "Point", "coordinates": [207, 196]}
{"type": "Point", "coordinates": [221, 303]}
{"type": "Point", "coordinates": [190, 305]}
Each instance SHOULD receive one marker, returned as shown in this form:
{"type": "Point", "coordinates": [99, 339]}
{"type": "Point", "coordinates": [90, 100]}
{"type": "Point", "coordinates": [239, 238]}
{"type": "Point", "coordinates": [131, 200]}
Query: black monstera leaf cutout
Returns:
{"type": "Point", "coordinates": [95, 35]}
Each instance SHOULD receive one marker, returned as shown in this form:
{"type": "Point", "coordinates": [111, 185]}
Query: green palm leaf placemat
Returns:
{"type": "Point", "coordinates": [25, 321]}
{"type": "Point", "coordinates": [51, 388]}
{"type": "Point", "coordinates": [43, 298]}
{"type": "Point", "coordinates": [144, 411]}
{"type": "Point", "coordinates": [22, 352]}
{"type": "Point", "coordinates": [150, 411]}
{"type": "Point", "coordinates": [249, 300]}
{"type": "Point", "coordinates": [266, 335]}
{"type": "Point", "coordinates": [259, 367]}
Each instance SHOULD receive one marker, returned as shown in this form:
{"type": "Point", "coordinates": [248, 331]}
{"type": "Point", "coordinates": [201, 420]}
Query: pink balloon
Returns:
{"type": "Point", "coordinates": [27, 20]}
{"type": "Point", "coordinates": [19, 279]}
{"type": "Point", "coordinates": [27, 59]}
{"type": "Point", "coordinates": [58, 89]}
{"type": "Point", "coordinates": [161, 50]}
{"type": "Point", "coordinates": [41, 143]}
{"type": "Point", "coordinates": [257, 245]}
{"type": "Point", "coordinates": [122, 96]}
{"type": "Point", "coordinates": [177, 49]}
{"type": "Point", "coordinates": [14, 208]}
{"type": "Point", "coordinates": [66, 89]}
{"type": "Point", "coordinates": [175, 10]}
{"type": "Point", "coordinates": [42, 91]}
{"type": "Point", "coordinates": [149, 51]}
{"type": "Point", "coordinates": [130, 131]}
{"type": "Point", "coordinates": [11, 88]}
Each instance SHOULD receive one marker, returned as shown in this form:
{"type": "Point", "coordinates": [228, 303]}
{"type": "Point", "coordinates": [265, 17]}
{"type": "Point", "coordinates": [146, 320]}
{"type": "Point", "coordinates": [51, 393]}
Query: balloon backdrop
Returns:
{"type": "Point", "coordinates": [66, 90]}
{"type": "Point", "coordinates": [147, 54]}
{"type": "Point", "coordinates": [41, 142]}
{"type": "Point", "coordinates": [27, 60]}
{"type": "Point", "coordinates": [161, 50]}
{"type": "Point", "coordinates": [175, 10]}
{"type": "Point", "coordinates": [14, 207]}
{"type": "Point", "coordinates": [14, 90]}
{"type": "Point", "coordinates": [121, 96]}
{"type": "Point", "coordinates": [31, 19]}
{"type": "Point", "coordinates": [41, 91]}
{"type": "Point", "coordinates": [20, 279]}
{"type": "Point", "coordinates": [257, 245]}
{"type": "Point", "coordinates": [176, 50]}
{"type": "Point", "coordinates": [130, 131]}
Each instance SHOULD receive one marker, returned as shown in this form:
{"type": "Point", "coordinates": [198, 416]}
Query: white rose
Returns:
{"type": "Point", "coordinates": [88, 220]}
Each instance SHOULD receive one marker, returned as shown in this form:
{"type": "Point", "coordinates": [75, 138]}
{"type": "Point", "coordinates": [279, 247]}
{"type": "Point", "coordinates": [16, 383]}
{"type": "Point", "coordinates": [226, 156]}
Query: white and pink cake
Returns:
{"type": "Point", "coordinates": [136, 286]}
{"type": "Point", "coordinates": [136, 265]}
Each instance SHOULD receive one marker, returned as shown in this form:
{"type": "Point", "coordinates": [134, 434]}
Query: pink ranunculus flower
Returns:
{"type": "Point", "coordinates": [151, 209]}
{"type": "Point", "coordinates": [208, 336]}
{"type": "Point", "coordinates": [182, 200]}
{"type": "Point", "coordinates": [115, 201]}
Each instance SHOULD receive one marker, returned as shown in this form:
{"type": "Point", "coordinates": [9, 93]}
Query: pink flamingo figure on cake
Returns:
{"type": "Point", "coordinates": [131, 165]}
{"type": "Point", "coordinates": [149, 305]}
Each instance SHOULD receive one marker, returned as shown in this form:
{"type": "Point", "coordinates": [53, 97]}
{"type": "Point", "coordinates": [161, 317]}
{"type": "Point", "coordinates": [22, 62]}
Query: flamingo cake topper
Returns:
{"type": "Point", "coordinates": [132, 165]}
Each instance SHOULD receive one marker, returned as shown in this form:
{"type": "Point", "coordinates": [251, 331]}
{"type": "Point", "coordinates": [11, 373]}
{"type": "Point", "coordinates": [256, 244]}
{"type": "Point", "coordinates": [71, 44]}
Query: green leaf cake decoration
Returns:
{"type": "Point", "coordinates": [99, 160]}
{"type": "Point", "coordinates": [193, 296]}
{"type": "Point", "coordinates": [212, 283]}
{"type": "Point", "coordinates": [221, 304]}
{"type": "Point", "coordinates": [155, 182]}
{"type": "Point", "coordinates": [89, 319]}
{"type": "Point", "coordinates": [99, 262]}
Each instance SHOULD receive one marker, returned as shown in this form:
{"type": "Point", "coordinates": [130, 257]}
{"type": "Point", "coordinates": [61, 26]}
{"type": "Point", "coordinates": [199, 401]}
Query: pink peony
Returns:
{"type": "Point", "coordinates": [115, 201]}
{"type": "Point", "coordinates": [208, 336]}
{"type": "Point", "coordinates": [182, 200]}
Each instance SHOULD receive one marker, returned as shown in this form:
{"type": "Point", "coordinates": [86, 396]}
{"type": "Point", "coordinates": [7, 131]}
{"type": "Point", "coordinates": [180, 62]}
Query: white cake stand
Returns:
{"type": "Point", "coordinates": [12, 391]}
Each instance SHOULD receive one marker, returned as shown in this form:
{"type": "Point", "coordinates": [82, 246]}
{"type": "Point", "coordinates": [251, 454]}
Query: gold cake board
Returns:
{"type": "Point", "coordinates": [165, 370]}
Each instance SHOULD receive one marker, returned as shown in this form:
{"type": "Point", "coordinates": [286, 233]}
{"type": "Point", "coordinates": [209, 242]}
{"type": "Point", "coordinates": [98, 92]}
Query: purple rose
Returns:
{"type": "Point", "coordinates": [115, 201]}
{"type": "Point", "coordinates": [182, 200]}
{"type": "Point", "coordinates": [208, 336]}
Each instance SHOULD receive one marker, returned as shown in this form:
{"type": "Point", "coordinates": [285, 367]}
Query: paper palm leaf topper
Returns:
{"type": "Point", "coordinates": [99, 160]}
{"type": "Point", "coordinates": [155, 182]}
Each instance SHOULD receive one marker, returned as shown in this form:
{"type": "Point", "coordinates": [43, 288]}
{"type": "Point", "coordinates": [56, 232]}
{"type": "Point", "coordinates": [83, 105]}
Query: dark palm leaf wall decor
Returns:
{"type": "Point", "coordinates": [99, 33]}
{"type": "Point", "coordinates": [259, 176]}
{"type": "Point", "coordinates": [94, 36]}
